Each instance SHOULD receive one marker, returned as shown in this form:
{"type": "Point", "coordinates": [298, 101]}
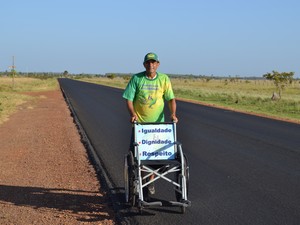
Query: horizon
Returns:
{"type": "Point", "coordinates": [34, 73]}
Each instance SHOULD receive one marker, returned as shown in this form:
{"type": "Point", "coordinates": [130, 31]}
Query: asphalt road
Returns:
{"type": "Point", "coordinates": [243, 169]}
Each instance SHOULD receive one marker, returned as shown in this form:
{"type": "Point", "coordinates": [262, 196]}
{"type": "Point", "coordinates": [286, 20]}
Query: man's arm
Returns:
{"type": "Point", "coordinates": [131, 111]}
{"type": "Point", "coordinates": [172, 107]}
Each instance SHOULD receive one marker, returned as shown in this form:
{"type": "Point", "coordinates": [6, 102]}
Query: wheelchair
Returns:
{"type": "Point", "coordinates": [155, 151]}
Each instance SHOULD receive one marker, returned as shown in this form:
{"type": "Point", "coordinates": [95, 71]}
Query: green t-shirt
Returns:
{"type": "Point", "coordinates": [148, 96]}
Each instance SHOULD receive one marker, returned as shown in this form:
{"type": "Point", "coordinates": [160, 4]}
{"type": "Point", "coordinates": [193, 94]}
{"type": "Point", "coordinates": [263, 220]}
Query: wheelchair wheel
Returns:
{"type": "Point", "coordinates": [129, 179]}
{"type": "Point", "coordinates": [179, 180]}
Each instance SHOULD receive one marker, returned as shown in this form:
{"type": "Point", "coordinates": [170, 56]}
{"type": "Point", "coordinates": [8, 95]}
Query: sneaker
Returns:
{"type": "Point", "coordinates": [151, 189]}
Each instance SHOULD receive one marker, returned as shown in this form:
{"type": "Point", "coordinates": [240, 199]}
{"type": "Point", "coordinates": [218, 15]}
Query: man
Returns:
{"type": "Point", "coordinates": [146, 92]}
{"type": "Point", "coordinates": [145, 95]}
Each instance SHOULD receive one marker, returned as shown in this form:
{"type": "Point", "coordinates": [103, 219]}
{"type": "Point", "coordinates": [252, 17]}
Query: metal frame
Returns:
{"type": "Point", "coordinates": [178, 165]}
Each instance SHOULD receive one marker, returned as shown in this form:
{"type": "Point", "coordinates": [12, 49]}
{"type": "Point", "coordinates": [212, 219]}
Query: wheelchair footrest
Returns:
{"type": "Point", "coordinates": [143, 203]}
{"type": "Point", "coordinates": [185, 203]}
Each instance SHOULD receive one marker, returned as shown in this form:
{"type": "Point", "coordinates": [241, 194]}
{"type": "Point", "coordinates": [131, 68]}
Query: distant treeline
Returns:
{"type": "Point", "coordinates": [188, 76]}
{"type": "Point", "coordinates": [45, 75]}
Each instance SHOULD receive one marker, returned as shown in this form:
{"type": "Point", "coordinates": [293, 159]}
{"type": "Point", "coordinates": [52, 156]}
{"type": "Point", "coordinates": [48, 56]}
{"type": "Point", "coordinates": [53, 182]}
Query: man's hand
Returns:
{"type": "Point", "coordinates": [174, 118]}
{"type": "Point", "coordinates": [131, 111]}
{"type": "Point", "coordinates": [133, 118]}
{"type": "Point", "coordinates": [172, 107]}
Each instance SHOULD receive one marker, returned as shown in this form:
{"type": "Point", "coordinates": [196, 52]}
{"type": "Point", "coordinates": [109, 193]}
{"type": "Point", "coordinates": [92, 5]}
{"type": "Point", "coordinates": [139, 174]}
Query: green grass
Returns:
{"type": "Point", "coordinates": [27, 84]}
{"type": "Point", "coordinates": [252, 96]}
{"type": "Point", "coordinates": [244, 95]}
{"type": "Point", "coordinates": [13, 94]}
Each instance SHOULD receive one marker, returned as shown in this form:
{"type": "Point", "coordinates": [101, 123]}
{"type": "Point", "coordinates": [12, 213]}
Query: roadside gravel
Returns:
{"type": "Point", "coordinates": [46, 176]}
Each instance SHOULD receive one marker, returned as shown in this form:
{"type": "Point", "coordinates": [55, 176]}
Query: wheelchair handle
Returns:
{"type": "Point", "coordinates": [136, 122]}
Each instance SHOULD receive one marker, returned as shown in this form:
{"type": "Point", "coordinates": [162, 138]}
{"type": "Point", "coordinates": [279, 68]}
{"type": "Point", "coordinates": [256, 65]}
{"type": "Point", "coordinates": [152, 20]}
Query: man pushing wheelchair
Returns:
{"type": "Point", "coordinates": [145, 95]}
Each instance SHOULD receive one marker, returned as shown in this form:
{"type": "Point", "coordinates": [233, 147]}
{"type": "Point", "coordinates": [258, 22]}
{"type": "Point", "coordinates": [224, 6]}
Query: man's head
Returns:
{"type": "Point", "coordinates": [151, 63]}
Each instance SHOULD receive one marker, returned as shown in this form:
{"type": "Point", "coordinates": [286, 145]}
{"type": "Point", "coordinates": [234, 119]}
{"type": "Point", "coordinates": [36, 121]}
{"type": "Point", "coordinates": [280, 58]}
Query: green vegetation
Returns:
{"type": "Point", "coordinates": [246, 95]}
{"type": "Point", "coordinates": [281, 80]}
{"type": "Point", "coordinates": [254, 96]}
{"type": "Point", "coordinates": [12, 92]}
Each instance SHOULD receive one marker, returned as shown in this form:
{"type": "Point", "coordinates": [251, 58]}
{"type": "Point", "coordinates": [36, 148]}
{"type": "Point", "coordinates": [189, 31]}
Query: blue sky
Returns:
{"type": "Point", "coordinates": [200, 37]}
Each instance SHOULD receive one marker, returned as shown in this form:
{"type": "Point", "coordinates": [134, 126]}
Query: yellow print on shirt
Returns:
{"type": "Point", "coordinates": [150, 101]}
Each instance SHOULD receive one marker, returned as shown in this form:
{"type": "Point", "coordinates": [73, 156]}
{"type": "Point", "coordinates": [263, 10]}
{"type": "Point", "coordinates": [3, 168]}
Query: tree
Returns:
{"type": "Point", "coordinates": [281, 80]}
{"type": "Point", "coordinates": [111, 76]}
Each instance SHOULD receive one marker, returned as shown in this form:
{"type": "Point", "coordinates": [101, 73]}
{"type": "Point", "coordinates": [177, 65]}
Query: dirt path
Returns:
{"type": "Point", "coordinates": [45, 176]}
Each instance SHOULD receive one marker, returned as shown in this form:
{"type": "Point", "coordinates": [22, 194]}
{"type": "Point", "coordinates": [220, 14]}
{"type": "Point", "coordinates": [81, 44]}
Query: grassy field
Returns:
{"type": "Point", "coordinates": [252, 96]}
{"type": "Point", "coordinates": [12, 94]}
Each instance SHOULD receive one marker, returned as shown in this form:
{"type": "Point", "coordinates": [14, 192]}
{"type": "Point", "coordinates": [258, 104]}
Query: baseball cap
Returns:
{"type": "Point", "coordinates": [151, 56]}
